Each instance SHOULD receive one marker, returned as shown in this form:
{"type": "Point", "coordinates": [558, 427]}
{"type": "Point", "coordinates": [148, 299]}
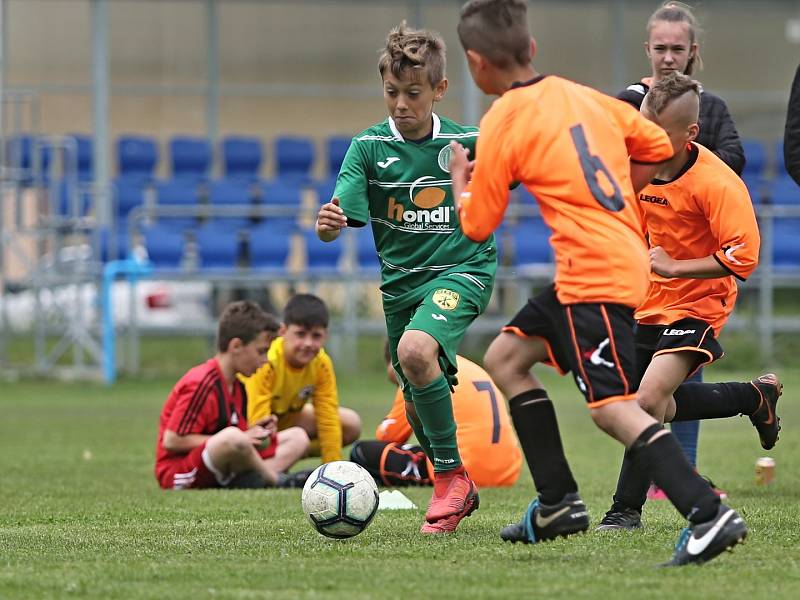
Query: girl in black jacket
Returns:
{"type": "Point", "coordinates": [672, 46]}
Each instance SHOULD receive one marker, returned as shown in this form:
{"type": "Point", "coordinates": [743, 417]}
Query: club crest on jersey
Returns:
{"type": "Point", "coordinates": [446, 299]}
{"type": "Point", "coordinates": [444, 158]}
{"type": "Point", "coordinates": [427, 211]}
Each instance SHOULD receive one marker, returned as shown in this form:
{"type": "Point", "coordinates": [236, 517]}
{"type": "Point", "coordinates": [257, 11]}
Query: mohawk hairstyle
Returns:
{"type": "Point", "coordinates": [414, 50]}
{"type": "Point", "coordinates": [670, 88]}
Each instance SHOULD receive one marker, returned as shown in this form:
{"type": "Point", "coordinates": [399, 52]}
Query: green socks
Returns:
{"type": "Point", "coordinates": [434, 408]}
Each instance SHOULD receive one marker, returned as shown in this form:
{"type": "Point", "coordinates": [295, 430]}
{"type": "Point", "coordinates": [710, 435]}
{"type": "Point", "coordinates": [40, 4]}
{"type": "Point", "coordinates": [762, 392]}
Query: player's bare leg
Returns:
{"type": "Point", "coordinates": [455, 496]}
{"type": "Point", "coordinates": [292, 446]}
{"type": "Point", "coordinates": [558, 509]}
{"type": "Point", "coordinates": [232, 451]}
{"type": "Point", "coordinates": [663, 376]}
{"type": "Point", "coordinates": [306, 419]}
{"type": "Point", "coordinates": [509, 360]}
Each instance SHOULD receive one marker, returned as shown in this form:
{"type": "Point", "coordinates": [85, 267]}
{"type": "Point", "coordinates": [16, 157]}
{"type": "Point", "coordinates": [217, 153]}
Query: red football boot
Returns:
{"type": "Point", "coordinates": [453, 492]}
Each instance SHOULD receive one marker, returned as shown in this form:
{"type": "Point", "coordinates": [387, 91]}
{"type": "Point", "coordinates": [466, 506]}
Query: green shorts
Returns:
{"type": "Point", "coordinates": [450, 304]}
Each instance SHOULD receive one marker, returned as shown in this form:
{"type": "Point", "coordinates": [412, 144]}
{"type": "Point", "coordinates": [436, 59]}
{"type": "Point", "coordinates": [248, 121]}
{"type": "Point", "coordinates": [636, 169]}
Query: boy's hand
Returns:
{"type": "Point", "coordinates": [269, 423]}
{"type": "Point", "coordinates": [460, 170]}
{"type": "Point", "coordinates": [258, 435]}
{"type": "Point", "coordinates": [330, 218]}
{"type": "Point", "coordinates": [662, 263]}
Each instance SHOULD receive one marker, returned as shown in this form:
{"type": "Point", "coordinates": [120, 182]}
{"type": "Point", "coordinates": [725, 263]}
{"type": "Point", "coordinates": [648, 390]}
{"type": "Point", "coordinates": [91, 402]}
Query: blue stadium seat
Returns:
{"type": "Point", "coordinates": [780, 167]}
{"type": "Point", "coordinates": [269, 247]}
{"type": "Point", "coordinates": [531, 242]}
{"type": "Point", "coordinates": [190, 157]}
{"type": "Point", "coordinates": [178, 193]}
{"type": "Point", "coordinates": [366, 254]}
{"type": "Point", "coordinates": [294, 157]}
{"type": "Point", "coordinates": [227, 192]}
{"type": "Point", "coordinates": [324, 189]}
{"type": "Point", "coordinates": [285, 194]}
{"type": "Point", "coordinates": [321, 256]}
{"type": "Point", "coordinates": [137, 157]}
{"type": "Point", "coordinates": [129, 195]}
{"type": "Point", "coordinates": [85, 156]}
{"type": "Point", "coordinates": [241, 157]}
{"type": "Point", "coordinates": [71, 199]}
{"type": "Point", "coordinates": [784, 190]}
{"type": "Point", "coordinates": [336, 147]}
{"type": "Point", "coordinates": [20, 156]}
{"type": "Point", "coordinates": [218, 246]}
{"type": "Point", "coordinates": [786, 246]}
{"type": "Point", "coordinates": [120, 247]}
{"type": "Point", "coordinates": [164, 246]}
{"type": "Point", "coordinates": [755, 155]}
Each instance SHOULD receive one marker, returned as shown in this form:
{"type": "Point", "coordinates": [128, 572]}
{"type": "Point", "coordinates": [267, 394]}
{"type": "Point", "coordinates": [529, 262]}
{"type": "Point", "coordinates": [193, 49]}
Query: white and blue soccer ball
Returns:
{"type": "Point", "coordinates": [340, 499]}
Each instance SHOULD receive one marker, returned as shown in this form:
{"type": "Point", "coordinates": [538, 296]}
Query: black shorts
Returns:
{"type": "Point", "coordinates": [686, 335]}
{"type": "Point", "coordinates": [593, 341]}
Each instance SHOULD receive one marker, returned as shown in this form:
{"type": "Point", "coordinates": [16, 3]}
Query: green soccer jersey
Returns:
{"type": "Point", "coordinates": [404, 189]}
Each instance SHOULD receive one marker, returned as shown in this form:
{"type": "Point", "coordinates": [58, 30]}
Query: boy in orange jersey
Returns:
{"type": "Point", "coordinates": [583, 156]}
{"type": "Point", "coordinates": [486, 440]}
{"type": "Point", "coordinates": [704, 236]}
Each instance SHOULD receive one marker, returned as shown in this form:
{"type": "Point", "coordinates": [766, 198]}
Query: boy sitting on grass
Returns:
{"type": "Point", "coordinates": [203, 438]}
{"type": "Point", "coordinates": [297, 385]}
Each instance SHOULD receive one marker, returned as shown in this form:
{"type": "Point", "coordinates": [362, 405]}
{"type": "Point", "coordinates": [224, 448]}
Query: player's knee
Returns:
{"type": "Point", "coordinates": [416, 357]}
{"type": "Point", "coordinates": [296, 437]}
{"type": "Point", "coordinates": [351, 426]}
{"type": "Point", "coordinates": [233, 441]}
{"type": "Point", "coordinates": [651, 401]}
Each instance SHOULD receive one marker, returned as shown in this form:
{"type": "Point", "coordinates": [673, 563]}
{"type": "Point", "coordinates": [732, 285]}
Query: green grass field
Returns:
{"type": "Point", "coordinates": [81, 516]}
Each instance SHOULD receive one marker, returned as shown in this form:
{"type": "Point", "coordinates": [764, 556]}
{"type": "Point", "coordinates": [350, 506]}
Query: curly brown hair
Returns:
{"type": "Point", "coordinates": [415, 51]}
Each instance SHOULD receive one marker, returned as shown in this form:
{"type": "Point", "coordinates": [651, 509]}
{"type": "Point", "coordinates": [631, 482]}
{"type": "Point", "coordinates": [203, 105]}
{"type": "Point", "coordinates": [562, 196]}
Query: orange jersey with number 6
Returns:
{"type": "Point", "coordinates": [486, 439]}
{"type": "Point", "coordinates": [571, 146]}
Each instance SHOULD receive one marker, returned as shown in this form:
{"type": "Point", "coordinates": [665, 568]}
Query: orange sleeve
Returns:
{"type": "Point", "coordinates": [732, 221]}
{"type": "Point", "coordinates": [395, 427]}
{"type": "Point", "coordinates": [484, 201]}
{"type": "Point", "coordinates": [647, 142]}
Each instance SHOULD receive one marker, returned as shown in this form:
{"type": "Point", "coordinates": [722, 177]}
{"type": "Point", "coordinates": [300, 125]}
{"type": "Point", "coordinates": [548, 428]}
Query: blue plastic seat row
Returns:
{"type": "Point", "coordinates": [219, 247]}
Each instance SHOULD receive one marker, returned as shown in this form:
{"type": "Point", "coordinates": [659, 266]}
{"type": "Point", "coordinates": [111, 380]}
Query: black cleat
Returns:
{"type": "Point", "coordinates": [620, 517]}
{"type": "Point", "coordinates": [702, 542]}
{"type": "Point", "coordinates": [765, 419]}
{"type": "Point", "coordinates": [542, 522]}
{"type": "Point", "coordinates": [293, 480]}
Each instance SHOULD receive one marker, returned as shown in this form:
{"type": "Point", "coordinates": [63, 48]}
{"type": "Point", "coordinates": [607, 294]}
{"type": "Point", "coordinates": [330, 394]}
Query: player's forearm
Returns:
{"type": "Point", "coordinates": [698, 268]}
{"type": "Point", "coordinates": [180, 444]}
{"type": "Point", "coordinates": [642, 174]}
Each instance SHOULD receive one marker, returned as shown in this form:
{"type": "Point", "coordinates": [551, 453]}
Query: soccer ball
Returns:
{"type": "Point", "coordinates": [340, 498]}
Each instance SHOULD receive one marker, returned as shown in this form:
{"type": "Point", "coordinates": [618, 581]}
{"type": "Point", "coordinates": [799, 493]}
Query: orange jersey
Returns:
{"type": "Point", "coordinates": [704, 211]}
{"type": "Point", "coordinates": [571, 146]}
{"type": "Point", "coordinates": [486, 439]}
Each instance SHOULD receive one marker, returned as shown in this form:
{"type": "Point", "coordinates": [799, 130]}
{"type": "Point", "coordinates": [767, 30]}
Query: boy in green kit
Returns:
{"type": "Point", "coordinates": [434, 280]}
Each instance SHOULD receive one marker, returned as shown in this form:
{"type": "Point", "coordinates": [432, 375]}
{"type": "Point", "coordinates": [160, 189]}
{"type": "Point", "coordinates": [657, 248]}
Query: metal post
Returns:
{"type": "Point", "coordinates": [100, 110]}
{"type": "Point", "coordinates": [766, 286]}
{"type": "Point", "coordinates": [4, 331]}
{"type": "Point", "coordinates": [212, 83]}
{"type": "Point", "coordinates": [415, 10]}
{"type": "Point", "coordinates": [470, 96]}
{"type": "Point", "coordinates": [619, 66]}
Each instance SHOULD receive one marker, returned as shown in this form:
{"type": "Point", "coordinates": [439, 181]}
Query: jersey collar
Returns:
{"type": "Point", "coordinates": [437, 126]}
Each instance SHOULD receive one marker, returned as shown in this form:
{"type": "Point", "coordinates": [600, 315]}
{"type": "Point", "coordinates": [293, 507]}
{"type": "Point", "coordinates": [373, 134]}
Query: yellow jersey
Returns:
{"type": "Point", "coordinates": [280, 389]}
